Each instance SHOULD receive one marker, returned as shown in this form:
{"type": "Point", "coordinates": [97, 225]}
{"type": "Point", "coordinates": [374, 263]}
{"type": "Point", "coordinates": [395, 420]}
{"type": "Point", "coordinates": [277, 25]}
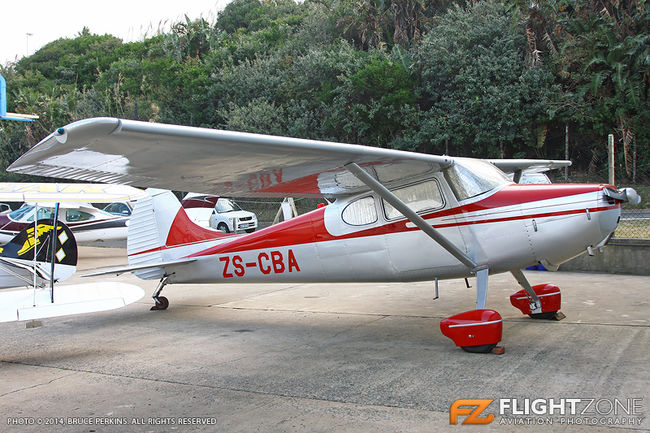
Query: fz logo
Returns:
{"type": "Point", "coordinates": [472, 409]}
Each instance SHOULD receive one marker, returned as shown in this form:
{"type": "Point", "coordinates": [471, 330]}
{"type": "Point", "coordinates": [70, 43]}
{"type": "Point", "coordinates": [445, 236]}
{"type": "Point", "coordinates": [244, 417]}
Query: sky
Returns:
{"type": "Point", "coordinates": [26, 27]}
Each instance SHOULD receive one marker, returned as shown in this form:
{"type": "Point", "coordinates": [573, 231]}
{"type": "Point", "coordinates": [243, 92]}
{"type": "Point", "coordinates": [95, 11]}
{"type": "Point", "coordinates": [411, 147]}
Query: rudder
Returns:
{"type": "Point", "coordinates": [158, 226]}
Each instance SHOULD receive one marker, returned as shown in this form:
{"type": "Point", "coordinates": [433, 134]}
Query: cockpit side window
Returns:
{"type": "Point", "coordinates": [19, 214]}
{"type": "Point", "coordinates": [419, 197]}
{"type": "Point", "coordinates": [469, 177]}
{"type": "Point", "coordinates": [360, 212]}
{"type": "Point", "coordinates": [26, 214]}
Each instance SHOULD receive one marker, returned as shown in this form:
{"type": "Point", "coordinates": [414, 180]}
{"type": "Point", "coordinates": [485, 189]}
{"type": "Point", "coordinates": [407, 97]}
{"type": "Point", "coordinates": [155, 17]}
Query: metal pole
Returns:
{"type": "Point", "coordinates": [566, 151]}
{"type": "Point", "coordinates": [27, 43]}
{"type": "Point", "coordinates": [35, 249]}
{"type": "Point", "coordinates": [610, 158]}
{"type": "Point", "coordinates": [54, 238]}
{"type": "Point", "coordinates": [3, 96]}
{"type": "Point", "coordinates": [292, 203]}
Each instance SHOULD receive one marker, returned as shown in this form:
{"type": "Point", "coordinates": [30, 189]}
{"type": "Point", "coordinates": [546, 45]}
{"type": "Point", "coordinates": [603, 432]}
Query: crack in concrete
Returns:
{"type": "Point", "coordinates": [215, 387]}
{"type": "Point", "coordinates": [416, 316]}
{"type": "Point", "coordinates": [73, 372]}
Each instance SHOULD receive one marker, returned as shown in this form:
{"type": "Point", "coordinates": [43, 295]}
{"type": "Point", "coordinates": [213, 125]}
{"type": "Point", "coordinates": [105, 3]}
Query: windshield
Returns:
{"type": "Point", "coordinates": [224, 205]}
{"type": "Point", "coordinates": [471, 177]}
{"type": "Point", "coordinates": [26, 213]}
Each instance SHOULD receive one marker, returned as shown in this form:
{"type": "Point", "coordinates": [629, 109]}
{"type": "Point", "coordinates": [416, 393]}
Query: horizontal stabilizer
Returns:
{"type": "Point", "coordinates": [29, 304]}
{"type": "Point", "coordinates": [126, 269]}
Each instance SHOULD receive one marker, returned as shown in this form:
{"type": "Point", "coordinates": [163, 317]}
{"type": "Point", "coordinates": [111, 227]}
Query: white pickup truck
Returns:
{"type": "Point", "coordinates": [218, 213]}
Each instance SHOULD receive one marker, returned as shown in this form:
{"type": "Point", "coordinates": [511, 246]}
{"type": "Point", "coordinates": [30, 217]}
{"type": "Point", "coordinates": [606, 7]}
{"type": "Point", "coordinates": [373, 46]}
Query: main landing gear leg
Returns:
{"type": "Point", "coordinates": [539, 302]}
{"type": "Point", "coordinates": [161, 303]}
{"type": "Point", "coordinates": [476, 331]}
{"type": "Point", "coordinates": [481, 288]}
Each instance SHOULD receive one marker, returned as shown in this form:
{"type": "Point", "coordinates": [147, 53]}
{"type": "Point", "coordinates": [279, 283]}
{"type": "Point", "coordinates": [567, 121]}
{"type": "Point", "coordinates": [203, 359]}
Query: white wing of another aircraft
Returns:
{"type": "Point", "coordinates": [68, 193]}
{"type": "Point", "coordinates": [30, 304]}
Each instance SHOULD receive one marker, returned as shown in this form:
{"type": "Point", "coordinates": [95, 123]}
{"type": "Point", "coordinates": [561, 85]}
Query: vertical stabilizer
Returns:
{"type": "Point", "coordinates": [160, 231]}
{"type": "Point", "coordinates": [150, 223]}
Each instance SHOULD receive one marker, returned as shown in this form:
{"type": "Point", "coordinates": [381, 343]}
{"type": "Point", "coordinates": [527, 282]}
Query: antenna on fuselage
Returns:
{"type": "Point", "coordinates": [3, 106]}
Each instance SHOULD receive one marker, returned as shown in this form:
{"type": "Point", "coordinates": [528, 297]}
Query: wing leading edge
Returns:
{"type": "Point", "coordinates": [110, 150]}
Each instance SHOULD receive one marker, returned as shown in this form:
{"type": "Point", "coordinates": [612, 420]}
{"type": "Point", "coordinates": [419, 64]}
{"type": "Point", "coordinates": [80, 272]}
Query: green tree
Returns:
{"type": "Point", "coordinates": [605, 59]}
{"type": "Point", "coordinates": [479, 94]}
{"type": "Point", "coordinates": [73, 61]}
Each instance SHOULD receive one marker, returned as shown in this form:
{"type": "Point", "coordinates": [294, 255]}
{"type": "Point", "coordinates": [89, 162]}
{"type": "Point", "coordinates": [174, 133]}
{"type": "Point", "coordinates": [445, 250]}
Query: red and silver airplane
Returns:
{"type": "Point", "coordinates": [396, 216]}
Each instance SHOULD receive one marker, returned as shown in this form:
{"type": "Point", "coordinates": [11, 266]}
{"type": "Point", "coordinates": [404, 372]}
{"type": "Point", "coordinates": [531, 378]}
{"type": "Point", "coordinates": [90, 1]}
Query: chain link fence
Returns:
{"type": "Point", "coordinates": [590, 166]}
{"type": "Point", "coordinates": [269, 210]}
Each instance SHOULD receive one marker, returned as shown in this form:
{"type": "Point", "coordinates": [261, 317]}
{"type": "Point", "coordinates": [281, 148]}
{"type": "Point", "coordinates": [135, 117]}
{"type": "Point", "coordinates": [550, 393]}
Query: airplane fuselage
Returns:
{"type": "Point", "coordinates": [508, 228]}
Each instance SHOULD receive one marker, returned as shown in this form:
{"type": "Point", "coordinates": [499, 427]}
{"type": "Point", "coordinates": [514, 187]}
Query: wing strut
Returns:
{"type": "Point", "coordinates": [416, 219]}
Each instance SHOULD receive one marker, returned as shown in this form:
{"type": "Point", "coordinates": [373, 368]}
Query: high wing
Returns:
{"type": "Point", "coordinates": [68, 192]}
{"type": "Point", "coordinates": [237, 164]}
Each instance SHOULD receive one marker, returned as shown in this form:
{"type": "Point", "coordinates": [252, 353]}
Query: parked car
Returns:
{"type": "Point", "coordinates": [532, 178]}
{"type": "Point", "coordinates": [219, 213]}
{"type": "Point", "coordinates": [88, 223]}
{"type": "Point", "coordinates": [120, 208]}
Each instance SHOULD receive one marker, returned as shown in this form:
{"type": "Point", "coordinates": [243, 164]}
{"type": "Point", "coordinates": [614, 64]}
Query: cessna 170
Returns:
{"type": "Point", "coordinates": [397, 216]}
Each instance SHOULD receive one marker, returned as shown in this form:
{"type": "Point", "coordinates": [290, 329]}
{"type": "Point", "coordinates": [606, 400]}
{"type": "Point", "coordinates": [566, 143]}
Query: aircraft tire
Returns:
{"type": "Point", "coordinates": [544, 316]}
{"type": "Point", "coordinates": [161, 303]}
{"type": "Point", "coordinates": [482, 348]}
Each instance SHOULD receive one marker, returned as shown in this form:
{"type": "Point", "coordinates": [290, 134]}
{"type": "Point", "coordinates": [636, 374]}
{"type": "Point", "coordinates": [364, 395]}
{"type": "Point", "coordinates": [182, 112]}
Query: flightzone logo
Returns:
{"type": "Point", "coordinates": [472, 409]}
{"type": "Point", "coordinates": [549, 411]}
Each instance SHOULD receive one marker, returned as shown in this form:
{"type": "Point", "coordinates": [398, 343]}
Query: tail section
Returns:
{"type": "Point", "coordinates": [160, 231]}
{"type": "Point", "coordinates": [18, 254]}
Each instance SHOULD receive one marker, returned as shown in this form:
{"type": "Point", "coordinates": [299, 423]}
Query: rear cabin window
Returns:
{"type": "Point", "coordinates": [74, 216]}
{"type": "Point", "coordinates": [360, 212]}
{"type": "Point", "coordinates": [420, 197]}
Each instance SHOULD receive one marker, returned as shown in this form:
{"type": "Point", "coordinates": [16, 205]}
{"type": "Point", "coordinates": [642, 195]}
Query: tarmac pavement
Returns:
{"type": "Point", "coordinates": [328, 357]}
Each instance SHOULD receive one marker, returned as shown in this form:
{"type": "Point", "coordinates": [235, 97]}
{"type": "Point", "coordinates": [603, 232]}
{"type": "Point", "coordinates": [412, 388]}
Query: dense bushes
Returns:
{"type": "Point", "coordinates": [484, 78]}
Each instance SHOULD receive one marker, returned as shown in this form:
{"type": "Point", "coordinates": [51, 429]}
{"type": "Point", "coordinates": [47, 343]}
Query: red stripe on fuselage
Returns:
{"type": "Point", "coordinates": [310, 227]}
{"type": "Point", "coordinates": [540, 215]}
{"type": "Point", "coordinates": [521, 194]}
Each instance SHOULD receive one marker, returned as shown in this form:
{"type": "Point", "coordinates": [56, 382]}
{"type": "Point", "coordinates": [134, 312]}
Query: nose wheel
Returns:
{"type": "Point", "coordinates": [542, 301]}
{"type": "Point", "coordinates": [160, 302]}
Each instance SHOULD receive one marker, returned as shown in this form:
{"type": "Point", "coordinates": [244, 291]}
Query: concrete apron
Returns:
{"type": "Point", "coordinates": [320, 357]}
